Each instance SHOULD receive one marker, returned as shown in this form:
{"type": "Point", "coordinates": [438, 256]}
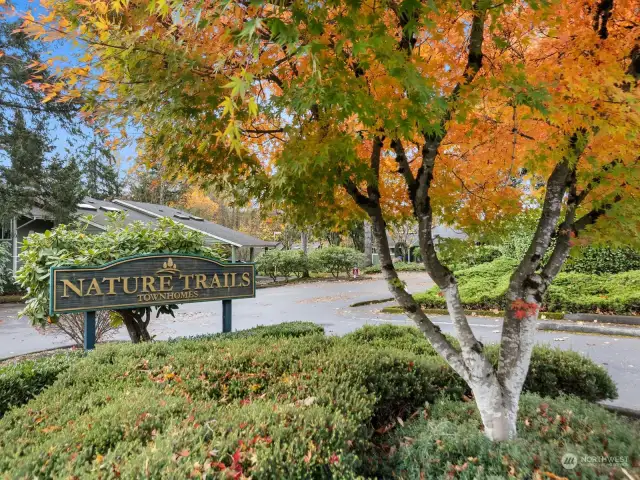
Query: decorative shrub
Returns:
{"type": "Point", "coordinates": [335, 260]}
{"type": "Point", "coordinates": [22, 381]}
{"type": "Point", "coordinates": [580, 292]}
{"type": "Point", "coordinates": [282, 263]}
{"type": "Point", "coordinates": [599, 260]}
{"type": "Point", "coordinates": [251, 405]}
{"type": "Point", "coordinates": [482, 287]}
{"type": "Point", "coordinates": [280, 330]}
{"type": "Point", "coordinates": [409, 339]}
{"type": "Point", "coordinates": [552, 371]}
{"type": "Point", "coordinates": [215, 408]}
{"type": "Point", "coordinates": [446, 441]}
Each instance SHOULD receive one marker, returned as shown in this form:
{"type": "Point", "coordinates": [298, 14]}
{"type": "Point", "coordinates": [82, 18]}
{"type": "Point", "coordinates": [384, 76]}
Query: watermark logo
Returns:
{"type": "Point", "coordinates": [569, 461]}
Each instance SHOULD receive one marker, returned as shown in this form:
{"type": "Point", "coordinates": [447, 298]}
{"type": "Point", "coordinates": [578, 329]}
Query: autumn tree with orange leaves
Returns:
{"type": "Point", "coordinates": [468, 111]}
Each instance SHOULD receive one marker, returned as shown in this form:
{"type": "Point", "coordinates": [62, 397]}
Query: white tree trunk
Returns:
{"type": "Point", "coordinates": [498, 416]}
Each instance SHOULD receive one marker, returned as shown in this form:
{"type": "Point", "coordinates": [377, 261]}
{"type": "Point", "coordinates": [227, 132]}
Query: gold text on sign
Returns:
{"type": "Point", "coordinates": [156, 284]}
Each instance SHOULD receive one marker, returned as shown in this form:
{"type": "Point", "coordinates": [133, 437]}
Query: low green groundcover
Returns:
{"type": "Point", "coordinates": [446, 441]}
{"type": "Point", "coordinates": [484, 286]}
{"type": "Point", "coordinates": [268, 403]}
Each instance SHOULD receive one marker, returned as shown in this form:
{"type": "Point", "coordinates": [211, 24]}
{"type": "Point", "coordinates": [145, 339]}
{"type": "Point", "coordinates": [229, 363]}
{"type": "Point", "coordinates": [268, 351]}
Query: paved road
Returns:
{"type": "Point", "coordinates": [327, 303]}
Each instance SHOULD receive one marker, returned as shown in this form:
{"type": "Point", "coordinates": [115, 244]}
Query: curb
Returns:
{"type": "Point", "coordinates": [627, 412]}
{"type": "Point", "coordinates": [594, 317]}
{"type": "Point", "coordinates": [595, 329]}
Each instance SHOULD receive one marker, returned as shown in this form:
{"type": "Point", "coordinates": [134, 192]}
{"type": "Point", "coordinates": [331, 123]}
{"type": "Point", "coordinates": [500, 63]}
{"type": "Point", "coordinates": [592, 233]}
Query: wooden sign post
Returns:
{"type": "Point", "coordinates": [148, 280]}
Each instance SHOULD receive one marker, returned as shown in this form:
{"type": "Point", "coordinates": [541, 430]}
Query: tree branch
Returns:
{"type": "Point", "coordinates": [360, 198]}
{"type": "Point", "coordinates": [404, 169]}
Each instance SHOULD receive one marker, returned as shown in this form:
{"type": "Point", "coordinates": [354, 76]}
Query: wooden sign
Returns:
{"type": "Point", "coordinates": [146, 280]}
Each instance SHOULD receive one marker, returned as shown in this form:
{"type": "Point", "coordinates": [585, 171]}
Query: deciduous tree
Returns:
{"type": "Point", "coordinates": [470, 111]}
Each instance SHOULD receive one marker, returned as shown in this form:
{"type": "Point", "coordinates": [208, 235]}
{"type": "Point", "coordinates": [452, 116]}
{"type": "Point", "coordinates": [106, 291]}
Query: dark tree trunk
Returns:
{"type": "Point", "coordinates": [137, 322]}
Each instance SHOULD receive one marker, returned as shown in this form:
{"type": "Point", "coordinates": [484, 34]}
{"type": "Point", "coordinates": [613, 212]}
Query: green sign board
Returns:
{"type": "Point", "coordinates": [147, 280]}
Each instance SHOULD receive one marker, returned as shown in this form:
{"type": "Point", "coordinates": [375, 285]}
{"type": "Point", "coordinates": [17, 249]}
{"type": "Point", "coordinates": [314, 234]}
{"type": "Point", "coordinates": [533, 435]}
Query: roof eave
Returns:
{"type": "Point", "coordinates": [155, 215]}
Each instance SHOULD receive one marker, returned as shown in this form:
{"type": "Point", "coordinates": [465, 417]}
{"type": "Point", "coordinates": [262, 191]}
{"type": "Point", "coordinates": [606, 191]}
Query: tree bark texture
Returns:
{"type": "Point", "coordinates": [137, 322]}
{"type": "Point", "coordinates": [496, 390]}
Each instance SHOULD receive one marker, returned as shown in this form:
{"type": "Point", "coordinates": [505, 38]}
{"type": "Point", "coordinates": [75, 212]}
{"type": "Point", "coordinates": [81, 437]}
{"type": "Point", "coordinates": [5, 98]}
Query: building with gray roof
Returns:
{"type": "Point", "coordinates": [95, 213]}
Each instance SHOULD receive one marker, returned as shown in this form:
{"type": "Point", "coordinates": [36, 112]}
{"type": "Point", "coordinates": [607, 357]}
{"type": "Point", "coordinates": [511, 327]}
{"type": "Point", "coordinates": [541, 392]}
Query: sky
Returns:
{"type": "Point", "coordinates": [125, 155]}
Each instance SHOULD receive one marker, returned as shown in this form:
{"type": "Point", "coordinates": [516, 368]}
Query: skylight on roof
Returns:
{"type": "Point", "coordinates": [181, 216]}
{"type": "Point", "coordinates": [86, 206]}
{"type": "Point", "coordinates": [200, 219]}
{"type": "Point", "coordinates": [110, 209]}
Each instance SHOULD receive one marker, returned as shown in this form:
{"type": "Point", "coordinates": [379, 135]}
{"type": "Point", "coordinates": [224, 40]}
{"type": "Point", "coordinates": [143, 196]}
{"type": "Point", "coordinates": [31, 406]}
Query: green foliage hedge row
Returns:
{"type": "Point", "coordinates": [22, 381]}
{"type": "Point", "coordinates": [580, 292]}
{"type": "Point", "coordinates": [288, 263]}
{"type": "Point", "coordinates": [335, 260]}
{"type": "Point", "coordinates": [484, 287]}
{"type": "Point", "coordinates": [280, 330]}
{"type": "Point", "coordinates": [282, 263]}
{"type": "Point", "coordinates": [599, 260]}
{"type": "Point", "coordinates": [260, 404]}
{"type": "Point", "coordinates": [552, 371]}
{"type": "Point", "coordinates": [446, 441]}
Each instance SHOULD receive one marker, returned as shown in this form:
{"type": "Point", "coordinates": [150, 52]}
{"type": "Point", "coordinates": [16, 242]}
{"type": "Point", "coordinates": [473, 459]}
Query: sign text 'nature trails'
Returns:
{"type": "Point", "coordinates": [145, 280]}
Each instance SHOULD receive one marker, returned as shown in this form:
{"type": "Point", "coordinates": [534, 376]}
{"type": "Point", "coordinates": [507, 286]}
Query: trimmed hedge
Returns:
{"type": "Point", "coordinates": [552, 372]}
{"type": "Point", "coordinates": [257, 404]}
{"type": "Point", "coordinates": [579, 292]}
{"type": "Point", "coordinates": [484, 287]}
{"type": "Point", "coordinates": [280, 330]}
{"type": "Point", "coordinates": [20, 382]}
{"type": "Point", "coordinates": [216, 408]}
{"type": "Point", "coordinates": [446, 441]}
{"type": "Point", "coordinates": [599, 260]}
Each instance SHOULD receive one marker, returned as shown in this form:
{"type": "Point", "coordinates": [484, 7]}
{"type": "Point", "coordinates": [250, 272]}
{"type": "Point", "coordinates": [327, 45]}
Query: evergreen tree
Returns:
{"type": "Point", "coordinates": [99, 174]}
{"type": "Point", "coordinates": [20, 55]}
{"type": "Point", "coordinates": [63, 189]}
{"type": "Point", "coordinates": [21, 179]}
{"type": "Point", "coordinates": [148, 185]}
